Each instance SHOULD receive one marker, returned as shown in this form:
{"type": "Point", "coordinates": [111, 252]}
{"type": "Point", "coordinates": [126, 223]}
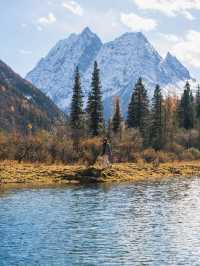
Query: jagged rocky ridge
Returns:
{"type": "Point", "coordinates": [121, 62]}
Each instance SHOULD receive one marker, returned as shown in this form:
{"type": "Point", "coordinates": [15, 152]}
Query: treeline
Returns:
{"type": "Point", "coordinates": [160, 129]}
{"type": "Point", "coordinates": [157, 121]}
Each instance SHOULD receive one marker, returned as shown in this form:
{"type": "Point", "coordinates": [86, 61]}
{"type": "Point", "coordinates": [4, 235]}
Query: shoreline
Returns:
{"type": "Point", "coordinates": [20, 175]}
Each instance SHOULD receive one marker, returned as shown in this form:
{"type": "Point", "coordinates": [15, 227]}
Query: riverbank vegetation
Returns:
{"type": "Point", "coordinates": [14, 174]}
{"type": "Point", "coordinates": [165, 129]}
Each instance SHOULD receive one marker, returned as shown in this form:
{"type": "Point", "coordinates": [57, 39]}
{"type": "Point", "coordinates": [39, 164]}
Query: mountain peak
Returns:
{"type": "Point", "coordinates": [173, 63]}
{"type": "Point", "coordinates": [169, 56]}
{"type": "Point", "coordinates": [171, 59]}
{"type": "Point", "coordinates": [133, 35]}
{"type": "Point", "coordinates": [87, 31]}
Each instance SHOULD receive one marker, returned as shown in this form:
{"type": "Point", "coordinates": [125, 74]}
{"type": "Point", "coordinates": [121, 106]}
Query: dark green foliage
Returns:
{"type": "Point", "coordinates": [198, 103]}
{"type": "Point", "coordinates": [117, 117]}
{"type": "Point", "coordinates": [186, 109]}
{"type": "Point", "coordinates": [131, 113]}
{"type": "Point", "coordinates": [197, 113]}
{"type": "Point", "coordinates": [95, 105]}
{"type": "Point", "coordinates": [156, 132]}
{"type": "Point", "coordinates": [76, 115]}
{"type": "Point", "coordinates": [138, 110]}
{"type": "Point", "coordinates": [89, 100]}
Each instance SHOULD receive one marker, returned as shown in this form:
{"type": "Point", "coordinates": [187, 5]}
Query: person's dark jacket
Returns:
{"type": "Point", "coordinates": [106, 150]}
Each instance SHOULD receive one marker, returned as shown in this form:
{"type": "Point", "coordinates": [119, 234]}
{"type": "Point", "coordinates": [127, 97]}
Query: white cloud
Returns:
{"type": "Point", "coordinates": [169, 37]}
{"type": "Point", "coordinates": [25, 52]}
{"type": "Point", "coordinates": [170, 7]}
{"type": "Point", "coordinates": [73, 7]}
{"type": "Point", "coordinates": [164, 42]}
{"type": "Point", "coordinates": [138, 23]}
{"type": "Point", "coordinates": [24, 25]}
{"type": "Point", "coordinates": [188, 15]}
{"type": "Point", "coordinates": [39, 28]}
{"type": "Point", "coordinates": [50, 19]}
{"type": "Point", "coordinates": [187, 49]}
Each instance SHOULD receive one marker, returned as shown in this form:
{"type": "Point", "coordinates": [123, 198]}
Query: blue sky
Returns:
{"type": "Point", "coordinates": [29, 28]}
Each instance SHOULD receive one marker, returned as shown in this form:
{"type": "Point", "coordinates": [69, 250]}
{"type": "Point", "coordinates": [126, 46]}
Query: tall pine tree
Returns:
{"type": "Point", "coordinates": [117, 117]}
{"type": "Point", "coordinates": [131, 112]}
{"type": "Point", "coordinates": [138, 110]}
{"type": "Point", "coordinates": [77, 103]}
{"type": "Point", "coordinates": [186, 108]}
{"type": "Point", "coordinates": [94, 104]}
{"type": "Point", "coordinates": [156, 132]}
{"type": "Point", "coordinates": [197, 113]}
{"type": "Point", "coordinates": [197, 103]}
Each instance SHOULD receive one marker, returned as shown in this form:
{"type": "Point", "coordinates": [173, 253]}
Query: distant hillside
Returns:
{"type": "Point", "coordinates": [22, 104]}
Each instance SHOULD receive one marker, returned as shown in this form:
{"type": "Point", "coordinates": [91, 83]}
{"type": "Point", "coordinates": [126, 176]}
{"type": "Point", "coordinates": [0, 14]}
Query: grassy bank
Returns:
{"type": "Point", "coordinates": [13, 174]}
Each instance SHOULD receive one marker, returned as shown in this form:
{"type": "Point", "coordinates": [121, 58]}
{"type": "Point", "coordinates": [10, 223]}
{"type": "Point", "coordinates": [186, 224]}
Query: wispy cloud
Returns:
{"type": "Point", "coordinates": [187, 48]}
{"type": "Point", "coordinates": [169, 37]}
{"type": "Point", "coordinates": [138, 23]}
{"type": "Point", "coordinates": [170, 7]}
{"type": "Point", "coordinates": [50, 19]}
{"type": "Point", "coordinates": [73, 7]}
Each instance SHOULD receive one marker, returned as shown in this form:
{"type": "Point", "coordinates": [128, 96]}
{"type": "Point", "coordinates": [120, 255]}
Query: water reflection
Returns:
{"type": "Point", "coordinates": [127, 224]}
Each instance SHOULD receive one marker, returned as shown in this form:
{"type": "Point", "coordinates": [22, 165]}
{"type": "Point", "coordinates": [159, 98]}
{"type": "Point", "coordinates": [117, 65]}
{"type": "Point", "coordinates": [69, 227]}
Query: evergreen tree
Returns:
{"type": "Point", "coordinates": [131, 113]}
{"type": "Point", "coordinates": [156, 132]}
{"type": "Point", "coordinates": [77, 103]}
{"type": "Point", "coordinates": [197, 113]}
{"type": "Point", "coordinates": [138, 110]}
{"type": "Point", "coordinates": [186, 109]}
{"type": "Point", "coordinates": [95, 105]}
{"type": "Point", "coordinates": [109, 130]}
{"type": "Point", "coordinates": [89, 103]}
{"type": "Point", "coordinates": [117, 117]}
{"type": "Point", "coordinates": [198, 103]}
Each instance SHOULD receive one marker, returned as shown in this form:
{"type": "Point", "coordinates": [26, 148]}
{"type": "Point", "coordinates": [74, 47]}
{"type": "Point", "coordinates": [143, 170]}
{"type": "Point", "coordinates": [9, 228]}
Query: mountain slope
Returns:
{"type": "Point", "coordinates": [121, 62]}
{"type": "Point", "coordinates": [21, 104]}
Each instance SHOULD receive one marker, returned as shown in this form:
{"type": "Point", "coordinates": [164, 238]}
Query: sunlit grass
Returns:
{"type": "Point", "coordinates": [12, 172]}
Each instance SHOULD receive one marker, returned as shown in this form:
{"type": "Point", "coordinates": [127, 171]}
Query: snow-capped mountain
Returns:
{"type": "Point", "coordinates": [121, 63]}
{"type": "Point", "coordinates": [54, 73]}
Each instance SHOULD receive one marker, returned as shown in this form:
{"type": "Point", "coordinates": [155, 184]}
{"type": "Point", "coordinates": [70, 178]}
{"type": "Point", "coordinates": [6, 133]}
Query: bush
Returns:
{"type": "Point", "coordinates": [195, 153]}
{"type": "Point", "coordinates": [164, 157]}
{"type": "Point", "coordinates": [149, 155]}
{"type": "Point", "coordinates": [126, 148]}
{"type": "Point", "coordinates": [174, 148]}
{"type": "Point", "coordinates": [190, 154]}
{"type": "Point", "coordinates": [90, 150]}
{"type": "Point", "coordinates": [188, 138]}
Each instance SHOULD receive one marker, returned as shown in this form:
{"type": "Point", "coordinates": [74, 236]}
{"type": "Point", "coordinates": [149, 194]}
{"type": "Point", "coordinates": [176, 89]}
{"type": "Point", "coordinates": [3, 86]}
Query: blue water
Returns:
{"type": "Point", "coordinates": [127, 224]}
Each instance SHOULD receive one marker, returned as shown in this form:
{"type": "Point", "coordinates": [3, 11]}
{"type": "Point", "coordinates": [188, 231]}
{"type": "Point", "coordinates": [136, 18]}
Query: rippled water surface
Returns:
{"type": "Point", "coordinates": [127, 224]}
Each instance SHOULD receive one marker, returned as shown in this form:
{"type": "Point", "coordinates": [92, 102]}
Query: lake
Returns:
{"type": "Point", "coordinates": [125, 224]}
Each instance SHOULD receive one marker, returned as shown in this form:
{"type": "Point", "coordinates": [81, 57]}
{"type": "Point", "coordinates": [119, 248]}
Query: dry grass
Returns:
{"type": "Point", "coordinates": [15, 174]}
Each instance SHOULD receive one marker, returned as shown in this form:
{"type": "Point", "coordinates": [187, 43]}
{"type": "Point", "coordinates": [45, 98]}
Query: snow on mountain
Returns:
{"type": "Point", "coordinates": [176, 70]}
{"type": "Point", "coordinates": [121, 63]}
{"type": "Point", "coordinates": [54, 73]}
